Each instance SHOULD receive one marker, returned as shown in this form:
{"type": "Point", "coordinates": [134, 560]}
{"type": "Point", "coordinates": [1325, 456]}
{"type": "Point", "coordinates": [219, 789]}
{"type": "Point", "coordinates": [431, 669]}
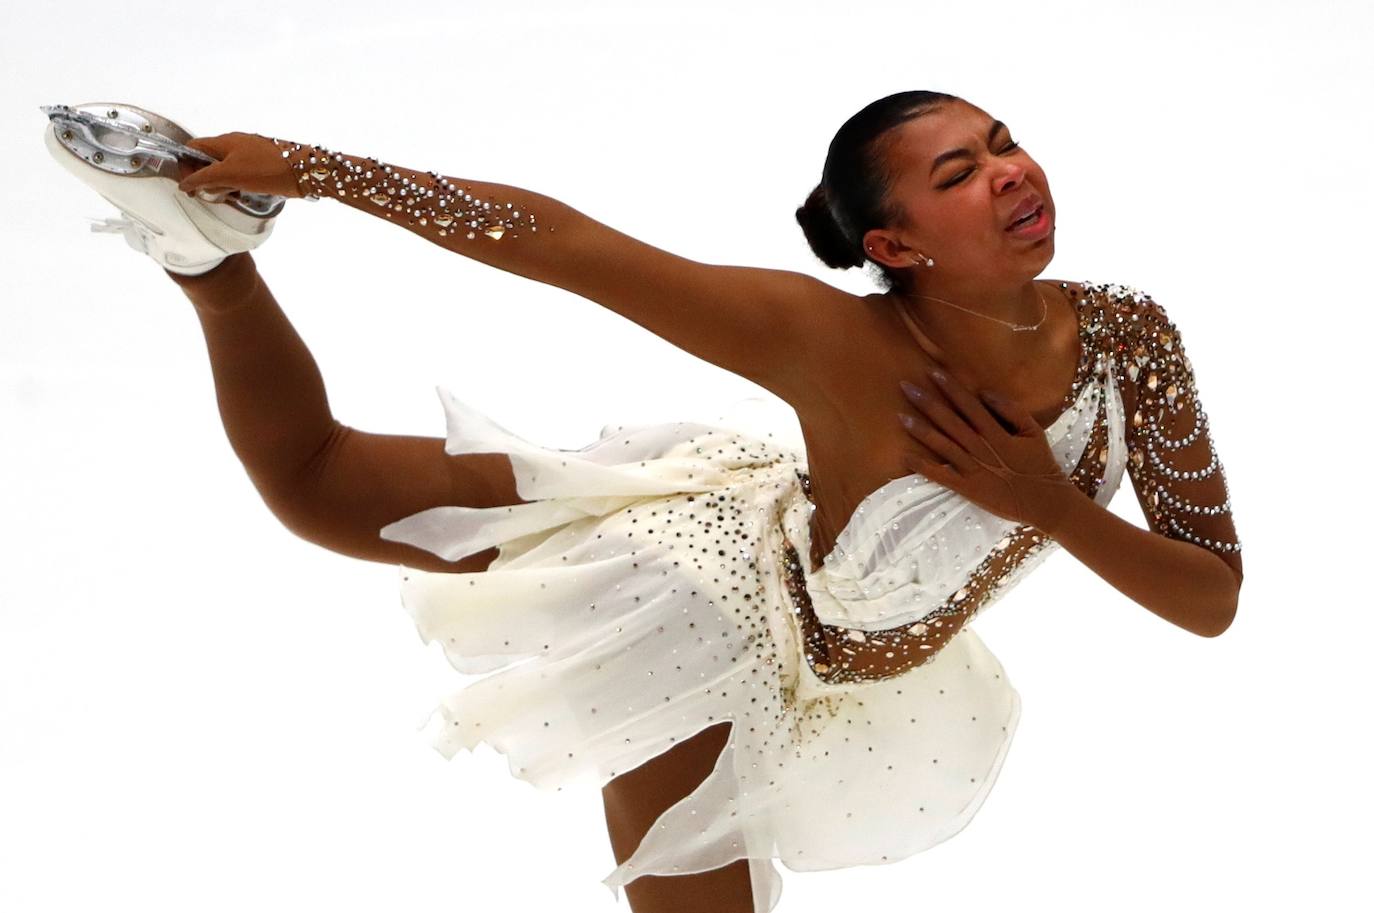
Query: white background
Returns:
{"type": "Point", "coordinates": [199, 711]}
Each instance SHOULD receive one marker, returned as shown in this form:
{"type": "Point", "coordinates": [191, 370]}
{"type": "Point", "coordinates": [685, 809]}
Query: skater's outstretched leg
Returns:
{"type": "Point", "coordinates": [337, 487]}
{"type": "Point", "coordinates": [331, 484]}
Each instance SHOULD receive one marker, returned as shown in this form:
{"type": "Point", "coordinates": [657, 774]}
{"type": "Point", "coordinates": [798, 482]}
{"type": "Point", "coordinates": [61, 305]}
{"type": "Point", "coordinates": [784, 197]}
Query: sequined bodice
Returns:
{"type": "Point", "coordinates": [888, 502]}
{"type": "Point", "coordinates": [910, 517]}
{"type": "Point", "coordinates": [916, 561]}
{"type": "Point", "coordinates": [910, 543]}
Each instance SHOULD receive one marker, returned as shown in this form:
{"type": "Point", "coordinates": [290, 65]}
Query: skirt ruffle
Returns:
{"type": "Point", "coordinates": [640, 598]}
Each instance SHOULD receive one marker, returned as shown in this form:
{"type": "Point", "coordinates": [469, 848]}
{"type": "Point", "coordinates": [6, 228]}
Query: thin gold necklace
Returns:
{"type": "Point", "coordinates": [1044, 310]}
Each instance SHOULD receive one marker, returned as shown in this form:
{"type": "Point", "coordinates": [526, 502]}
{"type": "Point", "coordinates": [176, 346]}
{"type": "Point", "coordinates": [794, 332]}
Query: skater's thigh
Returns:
{"type": "Point", "coordinates": [358, 482]}
{"type": "Point", "coordinates": [636, 798]}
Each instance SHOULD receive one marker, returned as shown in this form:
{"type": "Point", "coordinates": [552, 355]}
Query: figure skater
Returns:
{"type": "Point", "coordinates": [757, 653]}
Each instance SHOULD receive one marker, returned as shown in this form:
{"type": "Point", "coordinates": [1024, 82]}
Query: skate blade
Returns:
{"type": "Point", "coordinates": [125, 140]}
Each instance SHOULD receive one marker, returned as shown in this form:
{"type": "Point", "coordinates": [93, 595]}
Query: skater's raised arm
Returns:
{"type": "Point", "coordinates": [753, 322]}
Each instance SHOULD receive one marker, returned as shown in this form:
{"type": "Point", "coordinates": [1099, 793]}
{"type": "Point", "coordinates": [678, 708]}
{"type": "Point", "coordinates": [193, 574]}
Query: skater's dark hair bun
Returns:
{"type": "Point", "coordinates": [851, 197]}
{"type": "Point", "coordinates": [823, 233]}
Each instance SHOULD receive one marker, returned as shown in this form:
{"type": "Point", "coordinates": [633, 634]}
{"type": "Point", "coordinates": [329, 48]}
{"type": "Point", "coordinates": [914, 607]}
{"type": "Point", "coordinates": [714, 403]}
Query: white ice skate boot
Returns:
{"type": "Point", "coordinates": [129, 156]}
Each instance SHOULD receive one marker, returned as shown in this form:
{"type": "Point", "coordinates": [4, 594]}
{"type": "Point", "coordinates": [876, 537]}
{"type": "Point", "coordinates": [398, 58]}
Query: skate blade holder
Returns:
{"type": "Point", "coordinates": [125, 140]}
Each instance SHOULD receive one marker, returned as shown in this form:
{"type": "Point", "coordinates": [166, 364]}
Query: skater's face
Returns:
{"type": "Point", "coordinates": [956, 173]}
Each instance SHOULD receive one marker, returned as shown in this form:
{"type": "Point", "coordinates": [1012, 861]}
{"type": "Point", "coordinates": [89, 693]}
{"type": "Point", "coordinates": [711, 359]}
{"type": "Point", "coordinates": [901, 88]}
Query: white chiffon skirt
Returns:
{"type": "Point", "coordinates": [640, 598]}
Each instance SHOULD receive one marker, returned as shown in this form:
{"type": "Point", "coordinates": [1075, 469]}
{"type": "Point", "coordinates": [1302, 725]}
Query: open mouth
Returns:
{"type": "Point", "coordinates": [1028, 219]}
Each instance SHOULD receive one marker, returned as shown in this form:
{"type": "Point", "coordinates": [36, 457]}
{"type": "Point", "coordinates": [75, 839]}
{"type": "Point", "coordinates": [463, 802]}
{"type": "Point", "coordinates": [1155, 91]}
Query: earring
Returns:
{"type": "Point", "coordinates": [929, 262]}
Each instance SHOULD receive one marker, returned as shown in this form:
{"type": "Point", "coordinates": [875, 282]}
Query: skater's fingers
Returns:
{"type": "Point", "coordinates": [211, 145]}
{"type": "Point", "coordinates": [201, 177]}
{"type": "Point", "coordinates": [187, 167]}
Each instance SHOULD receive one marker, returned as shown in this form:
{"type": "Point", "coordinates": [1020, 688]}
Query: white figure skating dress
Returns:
{"type": "Point", "coordinates": [659, 583]}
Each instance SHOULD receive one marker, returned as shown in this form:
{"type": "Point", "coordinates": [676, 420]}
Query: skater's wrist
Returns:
{"type": "Point", "coordinates": [307, 169]}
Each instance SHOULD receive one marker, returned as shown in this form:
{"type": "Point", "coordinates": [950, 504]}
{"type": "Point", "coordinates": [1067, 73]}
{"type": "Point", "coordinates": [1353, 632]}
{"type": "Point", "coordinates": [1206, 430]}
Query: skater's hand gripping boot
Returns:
{"type": "Point", "coordinates": [135, 159]}
{"type": "Point", "coordinates": [246, 163]}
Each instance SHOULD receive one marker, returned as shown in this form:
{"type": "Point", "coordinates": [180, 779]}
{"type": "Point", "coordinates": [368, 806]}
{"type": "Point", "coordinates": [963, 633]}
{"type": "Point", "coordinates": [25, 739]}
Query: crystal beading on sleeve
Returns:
{"type": "Point", "coordinates": [1172, 461]}
{"type": "Point", "coordinates": [425, 198]}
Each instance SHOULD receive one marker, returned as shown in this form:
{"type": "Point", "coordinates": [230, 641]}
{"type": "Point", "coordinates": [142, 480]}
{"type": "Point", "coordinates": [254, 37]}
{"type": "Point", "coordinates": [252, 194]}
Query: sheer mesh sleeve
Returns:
{"type": "Point", "coordinates": [1172, 461]}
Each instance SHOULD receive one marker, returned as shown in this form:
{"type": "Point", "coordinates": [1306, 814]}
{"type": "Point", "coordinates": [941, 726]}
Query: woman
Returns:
{"type": "Point", "coordinates": [644, 600]}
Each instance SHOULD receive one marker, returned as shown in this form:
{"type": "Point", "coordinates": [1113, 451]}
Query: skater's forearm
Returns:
{"type": "Point", "coordinates": [511, 228]}
{"type": "Point", "coordinates": [269, 389]}
{"type": "Point", "coordinates": [1179, 581]}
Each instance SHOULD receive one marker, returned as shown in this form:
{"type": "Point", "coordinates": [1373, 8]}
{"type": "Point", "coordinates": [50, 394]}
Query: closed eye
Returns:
{"type": "Point", "coordinates": [1010, 147]}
